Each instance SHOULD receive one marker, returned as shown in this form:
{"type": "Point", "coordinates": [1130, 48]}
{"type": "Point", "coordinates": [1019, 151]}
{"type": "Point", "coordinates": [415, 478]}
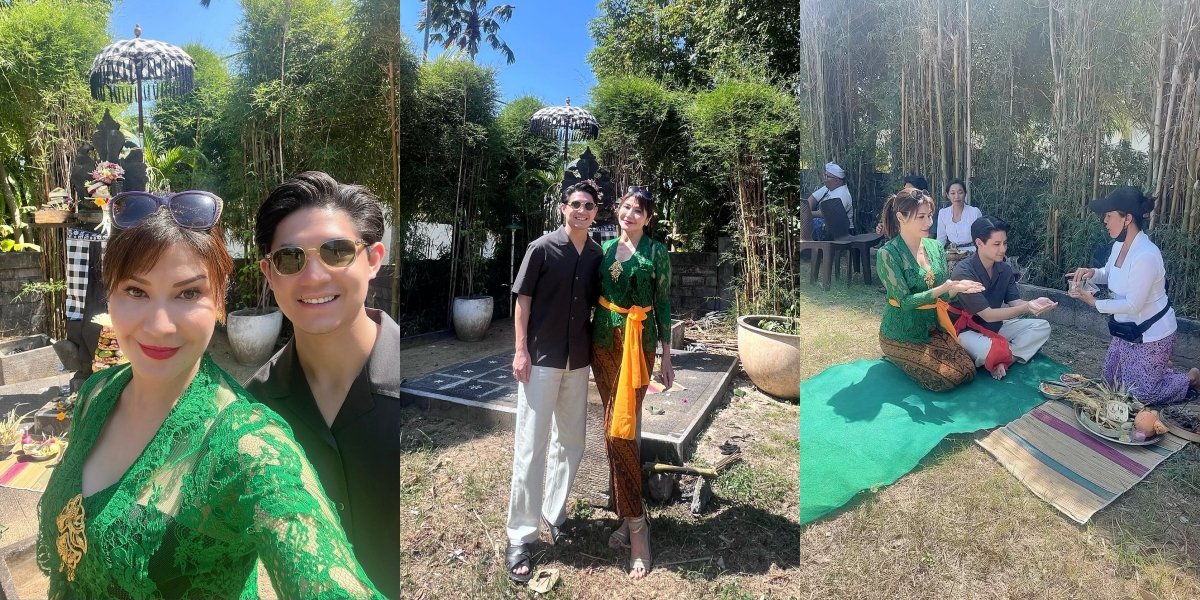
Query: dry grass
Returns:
{"type": "Point", "coordinates": [960, 526]}
{"type": "Point", "coordinates": [454, 493]}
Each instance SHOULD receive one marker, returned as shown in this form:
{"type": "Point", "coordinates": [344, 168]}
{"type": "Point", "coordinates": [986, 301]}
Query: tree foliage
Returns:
{"type": "Point", "coordinates": [46, 49]}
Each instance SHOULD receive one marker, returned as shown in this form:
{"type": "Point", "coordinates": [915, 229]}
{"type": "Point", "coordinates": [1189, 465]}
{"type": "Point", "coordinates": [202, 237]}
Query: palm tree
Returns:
{"type": "Point", "coordinates": [469, 21]}
{"type": "Point", "coordinates": [434, 17]}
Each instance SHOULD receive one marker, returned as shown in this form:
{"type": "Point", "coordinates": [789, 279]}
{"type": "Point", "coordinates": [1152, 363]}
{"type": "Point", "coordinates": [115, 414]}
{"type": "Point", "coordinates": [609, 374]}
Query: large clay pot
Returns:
{"type": "Point", "coordinates": [252, 334]}
{"type": "Point", "coordinates": [772, 360]}
{"type": "Point", "coordinates": [472, 316]}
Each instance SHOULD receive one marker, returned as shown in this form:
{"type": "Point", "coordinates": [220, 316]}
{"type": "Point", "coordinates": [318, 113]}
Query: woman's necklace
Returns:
{"type": "Point", "coordinates": [616, 268]}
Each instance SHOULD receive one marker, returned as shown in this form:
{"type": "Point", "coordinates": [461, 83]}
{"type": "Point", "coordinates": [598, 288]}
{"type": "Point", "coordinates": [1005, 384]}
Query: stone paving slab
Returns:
{"type": "Point", "coordinates": [484, 391]}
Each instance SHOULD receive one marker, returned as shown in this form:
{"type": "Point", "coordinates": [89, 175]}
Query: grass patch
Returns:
{"type": "Point", "coordinates": [760, 487]}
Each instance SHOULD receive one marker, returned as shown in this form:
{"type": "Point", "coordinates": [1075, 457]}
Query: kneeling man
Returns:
{"type": "Point", "coordinates": [994, 333]}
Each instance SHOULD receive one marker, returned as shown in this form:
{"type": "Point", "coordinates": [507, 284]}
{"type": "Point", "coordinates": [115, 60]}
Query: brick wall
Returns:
{"type": "Point", "coordinates": [25, 316]}
{"type": "Point", "coordinates": [699, 283]}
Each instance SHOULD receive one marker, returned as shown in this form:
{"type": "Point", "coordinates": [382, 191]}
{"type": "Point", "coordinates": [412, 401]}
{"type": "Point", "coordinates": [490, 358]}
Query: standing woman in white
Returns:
{"type": "Point", "coordinates": [954, 221]}
{"type": "Point", "coordinates": [1141, 319]}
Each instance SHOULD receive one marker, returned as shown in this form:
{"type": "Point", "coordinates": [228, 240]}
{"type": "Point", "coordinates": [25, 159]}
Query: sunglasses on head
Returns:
{"type": "Point", "coordinates": [587, 205]}
{"type": "Point", "coordinates": [639, 191]}
{"type": "Point", "coordinates": [338, 253]}
{"type": "Point", "coordinates": [193, 209]}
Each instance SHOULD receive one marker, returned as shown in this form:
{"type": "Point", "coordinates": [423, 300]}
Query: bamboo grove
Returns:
{"type": "Point", "coordinates": [1041, 107]}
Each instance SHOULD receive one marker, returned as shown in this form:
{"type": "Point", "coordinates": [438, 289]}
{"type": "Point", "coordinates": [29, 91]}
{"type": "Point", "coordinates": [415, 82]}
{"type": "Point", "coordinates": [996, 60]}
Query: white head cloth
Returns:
{"type": "Point", "coordinates": [835, 170]}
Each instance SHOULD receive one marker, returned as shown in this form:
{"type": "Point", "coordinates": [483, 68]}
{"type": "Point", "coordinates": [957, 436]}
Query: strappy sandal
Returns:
{"type": "Point", "coordinates": [639, 525]}
{"type": "Point", "coordinates": [516, 555]}
{"type": "Point", "coordinates": [619, 538]}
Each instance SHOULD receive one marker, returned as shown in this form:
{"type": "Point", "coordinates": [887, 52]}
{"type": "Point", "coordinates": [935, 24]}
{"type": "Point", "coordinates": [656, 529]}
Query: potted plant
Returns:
{"type": "Point", "coordinates": [769, 350]}
{"type": "Point", "coordinates": [471, 314]}
{"type": "Point", "coordinates": [11, 430]}
{"type": "Point", "coordinates": [253, 331]}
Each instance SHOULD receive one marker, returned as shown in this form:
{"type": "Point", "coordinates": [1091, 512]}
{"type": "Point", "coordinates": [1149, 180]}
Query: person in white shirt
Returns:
{"type": "Point", "coordinates": [954, 221]}
{"type": "Point", "coordinates": [1140, 315]}
{"type": "Point", "coordinates": [835, 187]}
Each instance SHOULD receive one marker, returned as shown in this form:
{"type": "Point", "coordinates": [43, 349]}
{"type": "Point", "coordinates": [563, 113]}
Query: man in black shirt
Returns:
{"type": "Point", "coordinates": [556, 288]}
{"type": "Point", "coordinates": [337, 381]}
{"type": "Point", "coordinates": [999, 336]}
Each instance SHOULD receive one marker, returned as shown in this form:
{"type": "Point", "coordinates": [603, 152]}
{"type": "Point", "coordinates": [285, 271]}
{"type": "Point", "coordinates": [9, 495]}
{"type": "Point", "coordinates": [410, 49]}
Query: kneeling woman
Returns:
{"type": "Point", "coordinates": [175, 482]}
{"type": "Point", "coordinates": [1140, 315]}
{"type": "Point", "coordinates": [634, 314]}
{"type": "Point", "coordinates": [913, 269]}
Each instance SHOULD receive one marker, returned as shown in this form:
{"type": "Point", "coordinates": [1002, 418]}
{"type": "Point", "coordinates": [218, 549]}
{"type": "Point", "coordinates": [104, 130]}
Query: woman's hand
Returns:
{"type": "Point", "coordinates": [521, 365]}
{"type": "Point", "coordinates": [963, 286]}
{"type": "Point", "coordinates": [666, 371]}
{"type": "Point", "coordinates": [1080, 275]}
{"type": "Point", "coordinates": [1082, 294]}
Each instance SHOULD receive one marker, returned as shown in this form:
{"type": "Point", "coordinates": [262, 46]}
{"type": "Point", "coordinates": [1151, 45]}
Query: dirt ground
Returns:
{"type": "Point", "coordinates": [454, 498]}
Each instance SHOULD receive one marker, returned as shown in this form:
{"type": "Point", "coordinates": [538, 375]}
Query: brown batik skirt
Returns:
{"type": "Point", "coordinates": [624, 460]}
{"type": "Point", "coordinates": [938, 365]}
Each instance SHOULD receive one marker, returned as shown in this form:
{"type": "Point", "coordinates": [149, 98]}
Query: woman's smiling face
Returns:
{"type": "Point", "coordinates": [164, 317]}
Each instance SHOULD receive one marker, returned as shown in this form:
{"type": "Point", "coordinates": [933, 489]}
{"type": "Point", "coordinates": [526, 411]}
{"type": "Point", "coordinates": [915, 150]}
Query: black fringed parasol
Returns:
{"type": "Point", "coordinates": [137, 69]}
{"type": "Point", "coordinates": [567, 123]}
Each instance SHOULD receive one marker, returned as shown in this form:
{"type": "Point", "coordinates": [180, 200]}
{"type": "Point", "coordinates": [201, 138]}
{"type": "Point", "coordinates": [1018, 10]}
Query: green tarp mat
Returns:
{"type": "Point", "coordinates": [865, 424]}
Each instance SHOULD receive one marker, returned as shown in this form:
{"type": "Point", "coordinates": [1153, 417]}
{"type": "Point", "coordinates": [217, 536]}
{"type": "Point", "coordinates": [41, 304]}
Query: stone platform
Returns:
{"type": "Point", "coordinates": [484, 391]}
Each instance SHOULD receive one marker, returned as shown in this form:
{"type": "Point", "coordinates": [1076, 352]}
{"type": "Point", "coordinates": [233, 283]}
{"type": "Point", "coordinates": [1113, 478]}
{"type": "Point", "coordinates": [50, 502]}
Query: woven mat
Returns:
{"type": "Point", "coordinates": [19, 473]}
{"type": "Point", "coordinates": [1049, 451]}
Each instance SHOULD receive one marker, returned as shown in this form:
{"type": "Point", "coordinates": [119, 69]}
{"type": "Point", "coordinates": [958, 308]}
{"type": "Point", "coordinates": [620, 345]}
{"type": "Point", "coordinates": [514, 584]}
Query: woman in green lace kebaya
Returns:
{"type": "Point", "coordinates": [175, 483]}
{"type": "Point", "coordinates": [916, 333]}
{"type": "Point", "coordinates": [634, 314]}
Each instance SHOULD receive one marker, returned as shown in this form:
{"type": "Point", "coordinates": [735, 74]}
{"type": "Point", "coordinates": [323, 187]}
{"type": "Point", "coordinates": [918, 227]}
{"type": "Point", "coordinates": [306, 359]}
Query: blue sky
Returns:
{"type": "Point", "coordinates": [549, 37]}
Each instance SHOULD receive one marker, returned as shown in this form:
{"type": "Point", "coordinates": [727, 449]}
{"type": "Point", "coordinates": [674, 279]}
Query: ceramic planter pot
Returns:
{"type": "Point", "coordinates": [252, 334]}
{"type": "Point", "coordinates": [772, 360]}
{"type": "Point", "coordinates": [472, 315]}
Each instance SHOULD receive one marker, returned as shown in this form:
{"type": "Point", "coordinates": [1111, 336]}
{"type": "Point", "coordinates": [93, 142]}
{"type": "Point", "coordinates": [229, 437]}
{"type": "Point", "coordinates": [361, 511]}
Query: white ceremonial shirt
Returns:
{"type": "Point", "coordinates": [1138, 287]}
{"type": "Point", "coordinates": [958, 233]}
{"type": "Point", "coordinates": [842, 193]}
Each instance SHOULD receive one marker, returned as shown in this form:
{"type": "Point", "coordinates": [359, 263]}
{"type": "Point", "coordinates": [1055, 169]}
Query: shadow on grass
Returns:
{"type": "Point", "coordinates": [737, 539]}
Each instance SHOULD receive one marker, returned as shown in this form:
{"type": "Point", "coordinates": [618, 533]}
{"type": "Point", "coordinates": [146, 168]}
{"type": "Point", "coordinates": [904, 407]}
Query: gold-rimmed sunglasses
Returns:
{"type": "Point", "coordinates": [337, 253]}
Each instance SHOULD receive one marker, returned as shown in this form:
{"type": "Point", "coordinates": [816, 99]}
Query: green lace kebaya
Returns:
{"type": "Point", "coordinates": [221, 485]}
{"type": "Point", "coordinates": [644, 279]}
{"type": "Point", "coordinates": [911, 286]}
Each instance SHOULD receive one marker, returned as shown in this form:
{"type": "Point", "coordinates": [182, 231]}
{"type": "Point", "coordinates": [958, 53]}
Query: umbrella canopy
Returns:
{"type": "Point", "coordinates": [567, 123]}
{"type": "Point", "coordinates": [119, 72]}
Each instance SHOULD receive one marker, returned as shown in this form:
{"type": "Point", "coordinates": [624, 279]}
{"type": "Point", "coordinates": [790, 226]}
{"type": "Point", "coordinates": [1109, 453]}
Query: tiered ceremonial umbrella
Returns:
{"type": "Point", "coordinates": [567, 123]}
{"type": "Point", "coordinates": [137, 69]}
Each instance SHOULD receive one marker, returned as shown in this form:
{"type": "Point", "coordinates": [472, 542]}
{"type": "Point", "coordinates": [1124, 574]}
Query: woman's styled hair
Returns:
{"type": "Point", "coordinates": [316, 189]}
{"type": "Point", "coordinates": [905, 203]}
{"type": "Point", "coordinates": [136, 250]}
{"type": "Point", "coordinates": [957, 181]}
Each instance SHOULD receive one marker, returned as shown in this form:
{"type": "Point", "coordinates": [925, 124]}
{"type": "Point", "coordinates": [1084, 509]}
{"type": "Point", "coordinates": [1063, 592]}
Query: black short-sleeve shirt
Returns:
{"type": "Point", "coordinates": [564, 284]}
{"type": "Point", "coordinates": [999, 288]}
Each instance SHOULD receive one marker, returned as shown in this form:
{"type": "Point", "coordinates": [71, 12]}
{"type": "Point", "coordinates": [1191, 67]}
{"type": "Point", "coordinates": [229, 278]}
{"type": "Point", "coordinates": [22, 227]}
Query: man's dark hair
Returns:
{"type": "Point", "coordinates": [315, 189]}
{"type": "Point", "coordinates": [983, 227]}
{"type": "Point", "coordinates": [586, 187]}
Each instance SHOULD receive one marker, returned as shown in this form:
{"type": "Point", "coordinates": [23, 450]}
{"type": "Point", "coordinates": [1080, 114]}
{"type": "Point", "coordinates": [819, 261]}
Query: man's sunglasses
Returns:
{"type": "Point", "coordinates": [576, 204]}
{"type": "Point", "coordinates": [339, 253]}
{"type": "Point", "coordinates": [192, 209]}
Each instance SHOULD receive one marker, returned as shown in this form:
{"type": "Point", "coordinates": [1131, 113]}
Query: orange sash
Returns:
{"type": "Point", "coordinates": [943, 314]}
{"type": "Point", "coordinates": [634, 373]}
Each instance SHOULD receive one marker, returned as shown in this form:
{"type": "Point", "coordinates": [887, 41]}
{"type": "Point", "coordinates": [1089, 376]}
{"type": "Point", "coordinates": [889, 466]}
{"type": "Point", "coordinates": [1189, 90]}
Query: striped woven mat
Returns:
{"type": "Point", "coordinates": [20, 473]}
{"type": "Point", "coordinates": [1050, 452]}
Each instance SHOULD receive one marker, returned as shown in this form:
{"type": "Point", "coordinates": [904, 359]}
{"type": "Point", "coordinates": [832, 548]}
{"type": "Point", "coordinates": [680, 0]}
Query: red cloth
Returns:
{"type": "Point", "coordinates": [999, 354]}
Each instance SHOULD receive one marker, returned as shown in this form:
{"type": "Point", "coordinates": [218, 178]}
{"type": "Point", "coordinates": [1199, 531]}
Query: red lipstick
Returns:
{"type": "Point", "coordinates": [158, 353]}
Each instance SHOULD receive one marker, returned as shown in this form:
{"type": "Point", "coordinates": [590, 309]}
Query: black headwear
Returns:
{"type": "Point", "coordinates": [1127, 199]}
